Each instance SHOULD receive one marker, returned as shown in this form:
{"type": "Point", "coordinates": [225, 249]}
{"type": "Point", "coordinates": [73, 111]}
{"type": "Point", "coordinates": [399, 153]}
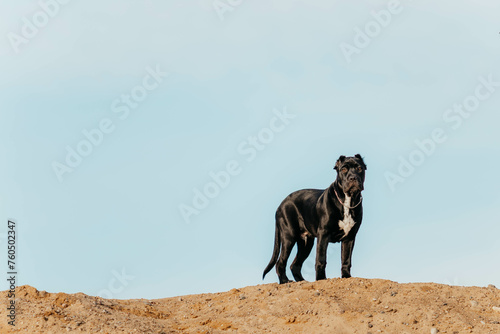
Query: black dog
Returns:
{"type": "Point", "coordinates": [331, 215]}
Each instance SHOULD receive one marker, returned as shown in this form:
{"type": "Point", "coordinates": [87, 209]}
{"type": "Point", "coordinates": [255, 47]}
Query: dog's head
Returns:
{"type": "Point", "coordinates": [350, 174]}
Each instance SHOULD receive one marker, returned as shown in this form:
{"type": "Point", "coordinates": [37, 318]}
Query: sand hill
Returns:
{"type": "Point", "coordinates": [339, 306]}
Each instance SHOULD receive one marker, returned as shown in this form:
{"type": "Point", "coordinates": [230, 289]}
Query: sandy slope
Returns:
{"type": "Point", "coordinates": [352, 305]}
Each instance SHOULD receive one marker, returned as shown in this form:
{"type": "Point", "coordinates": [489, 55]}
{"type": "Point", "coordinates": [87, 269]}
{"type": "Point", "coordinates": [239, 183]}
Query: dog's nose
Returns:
{"type": "Point", "coordinates": [352, 178]}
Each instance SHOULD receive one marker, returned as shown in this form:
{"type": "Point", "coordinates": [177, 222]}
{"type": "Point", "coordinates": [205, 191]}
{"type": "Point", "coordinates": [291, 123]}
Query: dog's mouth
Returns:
{"type": "Point", "coordinates": [353, 188]}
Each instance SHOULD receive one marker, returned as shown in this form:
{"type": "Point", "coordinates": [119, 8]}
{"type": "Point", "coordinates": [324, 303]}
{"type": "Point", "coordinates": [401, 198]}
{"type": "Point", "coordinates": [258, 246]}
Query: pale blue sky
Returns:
{"type": "Point", "coordinates": [119, 209]}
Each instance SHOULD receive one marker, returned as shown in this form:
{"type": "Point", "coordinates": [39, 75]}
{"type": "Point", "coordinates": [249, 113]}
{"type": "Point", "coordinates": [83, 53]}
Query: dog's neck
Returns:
{"type": "Point", "coordinates": [347, 203]}
{"type": "Point", "coordinates": [347, 222]}
{"type": "Point", "coordinates": [343, 199]}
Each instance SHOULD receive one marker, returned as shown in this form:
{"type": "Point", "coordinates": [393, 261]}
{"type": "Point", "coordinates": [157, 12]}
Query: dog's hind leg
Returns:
{"type": "Point", "coordinates": [304, 246]}
{"type": "Point", "coordinates": [286, 248]}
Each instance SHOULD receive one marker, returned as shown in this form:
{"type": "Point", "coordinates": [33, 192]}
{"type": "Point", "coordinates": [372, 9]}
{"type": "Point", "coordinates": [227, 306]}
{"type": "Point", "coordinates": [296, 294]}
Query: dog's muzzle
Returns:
{"type": "Point", "coordinates": [353, 186]}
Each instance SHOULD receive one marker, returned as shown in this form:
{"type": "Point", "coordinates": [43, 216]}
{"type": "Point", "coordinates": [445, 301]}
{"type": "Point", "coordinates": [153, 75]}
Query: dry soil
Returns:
{"type": "Point", "coordinates": [353, 305]}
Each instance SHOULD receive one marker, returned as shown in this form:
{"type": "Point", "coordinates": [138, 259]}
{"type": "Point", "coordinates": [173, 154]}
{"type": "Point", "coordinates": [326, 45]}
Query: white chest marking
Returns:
{"type": "Point", "coordinates": [348, 222]}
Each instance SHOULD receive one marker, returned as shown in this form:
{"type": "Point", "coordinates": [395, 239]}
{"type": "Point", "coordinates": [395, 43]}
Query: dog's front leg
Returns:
{"type": "Point", "coordinates": [323, 239]}
{"type": "Point", "coordinates": [347, 246]}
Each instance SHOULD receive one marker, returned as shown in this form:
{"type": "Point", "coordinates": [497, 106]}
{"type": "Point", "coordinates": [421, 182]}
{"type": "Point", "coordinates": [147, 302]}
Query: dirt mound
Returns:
{"type": "Point", "coordinates": [339, 306]}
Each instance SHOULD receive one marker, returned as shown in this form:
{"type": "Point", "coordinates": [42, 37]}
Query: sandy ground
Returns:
{"type": "Point", "coordinates": [339, 306]}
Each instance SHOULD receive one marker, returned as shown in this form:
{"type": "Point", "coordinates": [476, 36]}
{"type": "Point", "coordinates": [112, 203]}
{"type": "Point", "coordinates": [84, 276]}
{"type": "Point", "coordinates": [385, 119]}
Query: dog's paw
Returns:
{"type": "Point", "coordinates": [346, 272]}
{"type": "Point", "coordinates": [285, 281]}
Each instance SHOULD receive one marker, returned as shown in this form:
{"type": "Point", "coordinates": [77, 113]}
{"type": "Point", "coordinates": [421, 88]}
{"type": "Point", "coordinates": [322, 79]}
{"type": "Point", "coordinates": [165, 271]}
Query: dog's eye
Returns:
{"type": "Point", "coordinates": [344, 170]}
{"type": "Point", "coordinates": [360, 169]}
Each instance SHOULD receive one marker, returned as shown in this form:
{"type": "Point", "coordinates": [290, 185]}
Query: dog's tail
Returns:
{"type": "Point", "coordinates": [276, 251]}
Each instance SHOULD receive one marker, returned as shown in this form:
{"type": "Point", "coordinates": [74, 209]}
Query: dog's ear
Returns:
{"type": "Point", "coordinates": [361, 159]}
{"type": "Point", "coordinates": [339, 162]}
